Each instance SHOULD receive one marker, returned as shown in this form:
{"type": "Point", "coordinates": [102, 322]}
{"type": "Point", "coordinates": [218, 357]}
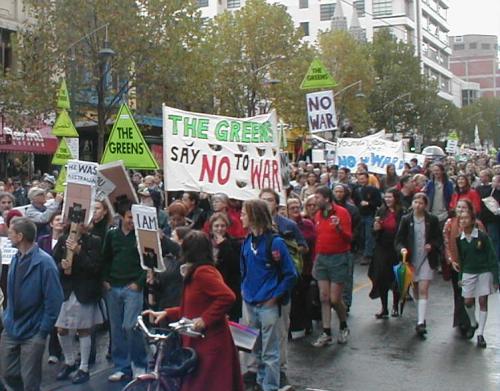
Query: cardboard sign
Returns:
{"type": "Point", "coordinates": [317, 76]}
{"type": "Point", "coordinates": [63, 153]}
{"type": "Point", "coordinates": [7, 250]}
{"type": "Point", "coordinates": [81, 183]}
{"type": "Point", "coordinates": [126, 143]}
{"type": "Point", "coordinates": [148, 237]}
{"type": "Point", "coordinates": [321, 112]}
{"type": "Point", "coordinates": [376, 153]}
{"type": "Point", "coordinates": [63, 97]}
{"type": "Point", "coordinates": [210, 153]}
{"type": "Point", "coordinates": [64, 126]}
{"type": "Point", "coordinates": [104, 187]}
{"type": "Point", "coordinates": [115, 173]}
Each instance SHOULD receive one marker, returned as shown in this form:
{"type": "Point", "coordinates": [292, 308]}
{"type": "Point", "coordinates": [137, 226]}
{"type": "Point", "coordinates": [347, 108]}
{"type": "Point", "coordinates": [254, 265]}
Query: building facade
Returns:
{"type": "Point", "coordinates": [475, 59]}
{"type": "Point", "coordinates": [12, 16]}
{"type": "Point", "coordinates": [422, 23]}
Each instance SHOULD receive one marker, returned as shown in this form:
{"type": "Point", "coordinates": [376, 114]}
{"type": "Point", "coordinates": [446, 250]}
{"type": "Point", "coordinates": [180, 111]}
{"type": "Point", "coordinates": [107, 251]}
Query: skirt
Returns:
{"type": "Point", "coordinates": [423, 271]}
{"type": "Point", "coordinates": [475, 285]}
{"type": "Point", "coordinates": [75, 315]}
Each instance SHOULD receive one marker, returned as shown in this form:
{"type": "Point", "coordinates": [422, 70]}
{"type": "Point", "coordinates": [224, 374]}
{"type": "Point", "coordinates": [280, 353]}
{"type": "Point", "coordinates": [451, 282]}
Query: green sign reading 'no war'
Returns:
{"type": "Point", "coordinates": [224, 130]}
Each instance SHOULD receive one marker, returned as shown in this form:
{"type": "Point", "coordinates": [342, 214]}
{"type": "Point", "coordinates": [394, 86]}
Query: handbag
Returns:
{"type": "Point", "coordinates": [491, 203]}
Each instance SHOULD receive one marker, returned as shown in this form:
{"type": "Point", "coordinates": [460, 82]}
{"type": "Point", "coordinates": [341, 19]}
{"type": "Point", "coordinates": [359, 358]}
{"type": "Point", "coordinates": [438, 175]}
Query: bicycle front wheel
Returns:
{"type": "Point", "coordinates": [148, 385]}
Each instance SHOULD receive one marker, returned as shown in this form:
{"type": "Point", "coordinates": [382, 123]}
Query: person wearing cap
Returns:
{"type": "Point", "coordinates": [38, 212]}
{"type": "Point", "coordinates": [48, 182]}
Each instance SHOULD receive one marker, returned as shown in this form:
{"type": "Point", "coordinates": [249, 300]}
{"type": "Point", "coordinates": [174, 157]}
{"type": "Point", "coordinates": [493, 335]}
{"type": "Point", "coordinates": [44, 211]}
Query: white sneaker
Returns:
{"type": "Point", "coordinates": [53, 360]}
{"type": "Point", "coordinates": [138, 371]}
{"type": "Point", "coordinates": [323, 340]}
{"type": "Point", "coordinates": [343, 334]}
{"type": "Point", "coordinates": [118, 376]}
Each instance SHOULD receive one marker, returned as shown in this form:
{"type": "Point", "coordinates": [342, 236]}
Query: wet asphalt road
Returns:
{"type": "Point", "coordinates": [381, 355]}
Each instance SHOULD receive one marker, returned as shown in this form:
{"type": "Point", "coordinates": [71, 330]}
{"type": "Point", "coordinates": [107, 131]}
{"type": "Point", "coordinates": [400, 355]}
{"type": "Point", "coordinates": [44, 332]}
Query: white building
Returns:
{"type": "Point", "coordinates": [420, 22]}
{"type": "Point", "coordinates": [12, 16]}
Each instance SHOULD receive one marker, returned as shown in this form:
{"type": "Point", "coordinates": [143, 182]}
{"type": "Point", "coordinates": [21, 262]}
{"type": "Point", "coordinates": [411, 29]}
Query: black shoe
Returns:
{"type": "Point", "coordinates": [250, 378]}
{"type": "Point", "coordinates": [283, 380]}
{"type": "Point", "coordinates": [471, 331]}
{"type": "Point", "coordinates": [421, 329]}
{"type": "Point", "coordinates": [481, 343]}
{"type": "Point", "coordinates": [65, 371]}
{"type": "Point", "coordinates": [382, 315]}
{"type": "Point", "coordinates": [395, 312]}
{"type": "Point", "coordinates": [81, 377]}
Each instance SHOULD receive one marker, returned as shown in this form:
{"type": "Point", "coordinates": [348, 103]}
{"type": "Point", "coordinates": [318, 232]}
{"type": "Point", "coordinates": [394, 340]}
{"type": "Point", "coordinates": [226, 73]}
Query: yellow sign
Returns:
{"type": "Point", "coordinates": [64, 126]}
{"type": "Point", "coordinates": [61, 181]}
{"type": "Point", "coordinates": [63, 97]}
{"type": "Point", "coordinates": [63, 154]}
{"type": "Point", "coordinates": [317, 77]}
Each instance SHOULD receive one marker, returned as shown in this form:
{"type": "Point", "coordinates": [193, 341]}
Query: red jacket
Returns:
{"type": "Point", "coordinates": [206, 296]}
{"type": "Point", "coordinates": [472, 195]}
{"type": "Point", "coordinates": [329, 239]}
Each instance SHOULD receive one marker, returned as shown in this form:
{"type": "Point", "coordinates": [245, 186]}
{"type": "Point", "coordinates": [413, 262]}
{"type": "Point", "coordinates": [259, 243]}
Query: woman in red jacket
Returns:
{"type": "Point", "coordinates": [206, 300]}
{"type": "Point", "coordinates": [464, 190]}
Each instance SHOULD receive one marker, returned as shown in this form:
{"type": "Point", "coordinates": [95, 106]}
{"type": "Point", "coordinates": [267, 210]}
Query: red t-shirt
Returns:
{"type": "Point", "coordinates": [329, 239]}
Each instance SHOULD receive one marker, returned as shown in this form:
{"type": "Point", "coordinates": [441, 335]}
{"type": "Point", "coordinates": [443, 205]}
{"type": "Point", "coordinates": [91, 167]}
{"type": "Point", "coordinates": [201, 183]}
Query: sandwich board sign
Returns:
{"type": "Point", "coordinates": [317, 77]}
{"type": "Point", "coordinates": [126, 143]}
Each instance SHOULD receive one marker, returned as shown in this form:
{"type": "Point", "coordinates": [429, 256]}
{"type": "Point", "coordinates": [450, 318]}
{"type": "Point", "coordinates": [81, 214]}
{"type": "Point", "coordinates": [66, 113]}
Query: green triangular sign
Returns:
{"type": "Point", "coordinates": [63, 97]}
{"type": "Point", "coordinates": [64, 126]}
{"type": "Point", "coordinates": [61, 181]}
{"type": "Point", "coordinates": [453, 136]}
{"type": "Point", "coordinates": [127, 143]}
{"type": "Point", "coordinates": [63, 154]}
{"type": "Point", "coordinates": [317, 77]}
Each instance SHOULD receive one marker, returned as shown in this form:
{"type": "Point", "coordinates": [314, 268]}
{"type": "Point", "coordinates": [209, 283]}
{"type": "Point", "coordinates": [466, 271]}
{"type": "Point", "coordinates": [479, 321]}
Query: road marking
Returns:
{"type": "Point", "coordinates": [357, 288]}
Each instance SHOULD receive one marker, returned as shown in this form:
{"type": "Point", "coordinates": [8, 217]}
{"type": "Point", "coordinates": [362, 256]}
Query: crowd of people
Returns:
{"type": "Point", "coordinates": [272, 264]}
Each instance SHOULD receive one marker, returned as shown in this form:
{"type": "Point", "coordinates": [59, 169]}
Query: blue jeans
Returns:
{"type": "Point", "coordinates": [267, 347]}
{"type": "Point", "coordinates": [127, 344]}
{"type": "Point", "coordinates": [367, 226]}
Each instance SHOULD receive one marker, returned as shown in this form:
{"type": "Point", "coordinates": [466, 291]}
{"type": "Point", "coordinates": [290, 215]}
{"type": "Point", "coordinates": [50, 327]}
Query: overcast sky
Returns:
{"type": "Point", "coordinates": [474, 17]}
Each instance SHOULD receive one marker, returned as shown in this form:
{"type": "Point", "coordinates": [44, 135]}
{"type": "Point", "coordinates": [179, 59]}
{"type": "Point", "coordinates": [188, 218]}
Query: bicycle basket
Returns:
{"type": "Point", "coordinates": [180, 362]}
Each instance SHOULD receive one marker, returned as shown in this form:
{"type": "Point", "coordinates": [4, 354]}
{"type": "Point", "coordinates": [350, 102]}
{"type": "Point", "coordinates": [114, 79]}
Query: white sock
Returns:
{"type": "Point", "coordinates": [421, 309]}
{"type": "Point", "coordinates": [471, 313]}
{"type": "Point", "coordinates": [85, 344]}
{"type": "Point", "coordinates": [483, 315]}
{"type": "Point", "coordinates": [68, 348]}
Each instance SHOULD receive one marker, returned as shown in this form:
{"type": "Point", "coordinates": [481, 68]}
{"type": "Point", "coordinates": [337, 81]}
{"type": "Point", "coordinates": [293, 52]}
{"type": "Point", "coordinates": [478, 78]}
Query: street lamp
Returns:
{"type": "Point", "coordinates": [104, 55]}
{"type": "Point", "coordinates": [358, 94]}
{"type": "Point", "coordinates": [391, 103]}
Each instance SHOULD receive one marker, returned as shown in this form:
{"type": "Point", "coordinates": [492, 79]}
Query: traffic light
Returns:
{"type": "Point", "coordinates": [412, 144]}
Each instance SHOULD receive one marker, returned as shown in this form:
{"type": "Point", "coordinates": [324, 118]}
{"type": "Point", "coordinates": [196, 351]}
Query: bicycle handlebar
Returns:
{"type": "Point", "coordinates": [183, 327]}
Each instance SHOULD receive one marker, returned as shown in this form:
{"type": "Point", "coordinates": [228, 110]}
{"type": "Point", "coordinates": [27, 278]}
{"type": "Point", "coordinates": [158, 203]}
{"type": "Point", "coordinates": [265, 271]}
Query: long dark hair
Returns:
{"type": "Point", "coordinates": [384, 209]}
{"type": "Point", "coordinates": [467, 184]}
{"type": "Point", "coordinates": [196, 250]}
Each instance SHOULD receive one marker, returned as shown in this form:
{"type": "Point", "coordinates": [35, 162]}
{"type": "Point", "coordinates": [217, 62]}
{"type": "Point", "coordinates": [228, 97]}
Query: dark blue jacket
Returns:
{"type": "Point", "coordinates": [36, 308]}
{"type": "Point", "coordinates": [263, 278]}
{"type": "Point", "coordinates": [430, 188]}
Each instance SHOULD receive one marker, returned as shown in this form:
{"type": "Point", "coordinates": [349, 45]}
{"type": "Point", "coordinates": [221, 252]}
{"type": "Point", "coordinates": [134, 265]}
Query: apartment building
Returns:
{"type": "Point", "coordinates": [475, 59]}
{"type": "Point", "coordinates": [12, 15]}
{"type": "Point", "coordinates": [422, 23]}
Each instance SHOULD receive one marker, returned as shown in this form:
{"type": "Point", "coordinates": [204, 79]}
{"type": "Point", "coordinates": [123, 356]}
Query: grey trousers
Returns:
{"type": "Point", "coordinates": [21, 362]}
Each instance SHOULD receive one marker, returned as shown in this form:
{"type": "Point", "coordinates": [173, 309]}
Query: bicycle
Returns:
{"type": "Point", "coordinates": [166, 376]}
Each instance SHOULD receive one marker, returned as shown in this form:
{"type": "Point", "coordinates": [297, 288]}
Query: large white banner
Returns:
{"type": "Point", "coordinates": [321, 111]}
{"type": "Point", "coordinates": [209, 153]}
{"type": "Point", "coordinates": [376, 153]}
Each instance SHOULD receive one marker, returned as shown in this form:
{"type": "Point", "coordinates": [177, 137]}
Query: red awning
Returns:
{"type": "Point", "coordinates": [38, 141]}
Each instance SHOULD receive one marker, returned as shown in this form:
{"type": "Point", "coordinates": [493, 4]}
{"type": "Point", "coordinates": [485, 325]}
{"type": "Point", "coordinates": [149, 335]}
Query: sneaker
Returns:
{"type": "Point", "coordinates": [323, 340]}
{"type": "Point", "coordinates": [80, 377]}
{"type": "Point", "coordinates": [118, 377]}
{"type": "Point", "coordinates": [65, 371]}
{"type": "Point", "coordinates": [481, 343]}
{"type": "Point", "coordinates": [53, 360]}
{"type": "Point", "coordinates": [343, 334]}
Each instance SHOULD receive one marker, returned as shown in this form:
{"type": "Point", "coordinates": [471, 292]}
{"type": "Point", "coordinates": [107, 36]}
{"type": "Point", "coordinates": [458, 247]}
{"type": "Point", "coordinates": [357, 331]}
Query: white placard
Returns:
{"type": "Point", "coordinates": [7, 250]}
{"type": "Point", "coordinates": [321, 111]}
{"type": "Point", "coordinates": [211, 154]}
{"type": "Point", "coordinates": [74, 146]}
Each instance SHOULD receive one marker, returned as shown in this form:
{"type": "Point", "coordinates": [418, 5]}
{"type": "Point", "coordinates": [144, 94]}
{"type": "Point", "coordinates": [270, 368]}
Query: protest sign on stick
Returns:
{"type": "Point", "coordinates": [81, 183]}
{"type": "Point", "coordinates": [148, 237]}
{"type": "Point", "coordinates": [116, 174]}
{"type": "Point", "coordinates": [209, 153]}
{"type": "Point", "coordinates": [321, 111]}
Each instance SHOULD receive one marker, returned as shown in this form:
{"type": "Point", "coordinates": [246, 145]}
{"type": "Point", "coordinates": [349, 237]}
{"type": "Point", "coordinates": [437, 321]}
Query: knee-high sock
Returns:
{"type": "Point", "coordinates": [421, 309]}
{"type": "Point", "coordinates": [85, 345]}
{"type": "Point", "coordinates": [471, 313]}
{"type": "Point", "coordinates": [483, 315]}
{"type": "Point", "coordinates": [68, 348]}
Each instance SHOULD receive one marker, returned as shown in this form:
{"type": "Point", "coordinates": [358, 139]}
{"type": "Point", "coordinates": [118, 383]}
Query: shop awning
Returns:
{"type": "Point", "coordinates": [38, 141]}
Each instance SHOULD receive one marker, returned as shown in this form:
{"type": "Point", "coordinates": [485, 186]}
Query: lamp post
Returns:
{"type": "Point", "coordinates": [359, 94]}
{"type": "Point", "coordinates": [391, 103]}
{"type": "Point", "coordinates": [104, 55]}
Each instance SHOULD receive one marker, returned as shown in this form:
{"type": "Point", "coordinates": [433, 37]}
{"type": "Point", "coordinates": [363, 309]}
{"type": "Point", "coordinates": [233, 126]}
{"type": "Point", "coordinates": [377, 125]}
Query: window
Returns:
{"type": "Point", "coordinates": [382, 8]}
{"type": "Point", "coordinates": [305, 27]}
{"type": "Point", "coordinates": [459, 46]}
{"type": "Point", "coordinates": [473, 45]}
{"type": "Point", "coordinates": [359, 5]}
{"type": "Point", "coordinates": [485, 46]}
{"type": "Point", "coordinates": [233, 3]}
{"type": "Point", "coordinates": [202, 3]}
{"type": "Point", "coordinates": [303, 3]}
{"type": "Point", "coordinates": [326, 11]}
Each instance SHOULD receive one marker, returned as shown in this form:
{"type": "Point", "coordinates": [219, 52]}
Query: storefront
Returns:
{"type": "Point", "coordinates": [24, 153]}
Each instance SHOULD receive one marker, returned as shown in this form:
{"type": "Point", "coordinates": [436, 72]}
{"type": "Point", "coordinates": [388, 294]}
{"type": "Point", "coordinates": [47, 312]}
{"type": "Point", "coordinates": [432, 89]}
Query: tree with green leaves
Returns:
{"type": "Point", "coordinates": [485, 113]}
